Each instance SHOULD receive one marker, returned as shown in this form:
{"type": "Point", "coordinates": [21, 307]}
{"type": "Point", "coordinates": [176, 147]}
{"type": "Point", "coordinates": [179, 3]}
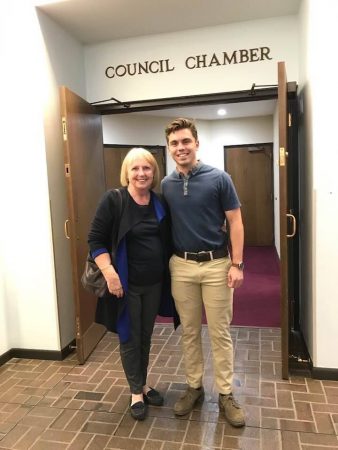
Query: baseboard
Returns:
{"type": "Point", "coordinates": [322, 373]}
{"type": "Point", "coordinates": [26, 353]}
{"type": "Point", "coordinates": [5, 357]}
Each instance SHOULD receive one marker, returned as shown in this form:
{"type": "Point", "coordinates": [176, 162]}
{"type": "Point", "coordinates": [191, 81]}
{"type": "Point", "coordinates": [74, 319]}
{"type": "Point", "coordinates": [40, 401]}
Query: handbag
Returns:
{"type": "Point", "coordinates": [92, 278]}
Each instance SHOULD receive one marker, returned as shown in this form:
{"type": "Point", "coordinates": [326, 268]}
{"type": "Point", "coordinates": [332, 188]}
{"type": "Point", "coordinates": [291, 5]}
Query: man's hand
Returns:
{"type": "Point", "coordinates": [235, 277]}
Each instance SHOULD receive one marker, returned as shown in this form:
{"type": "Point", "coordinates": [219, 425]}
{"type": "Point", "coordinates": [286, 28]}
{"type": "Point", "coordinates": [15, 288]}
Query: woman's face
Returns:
{"type": "Point", "coordinates": [140, 174]}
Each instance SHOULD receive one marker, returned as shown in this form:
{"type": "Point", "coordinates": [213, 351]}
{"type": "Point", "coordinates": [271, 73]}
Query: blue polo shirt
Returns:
{"type": "Point", "coordinates": [197, 204]}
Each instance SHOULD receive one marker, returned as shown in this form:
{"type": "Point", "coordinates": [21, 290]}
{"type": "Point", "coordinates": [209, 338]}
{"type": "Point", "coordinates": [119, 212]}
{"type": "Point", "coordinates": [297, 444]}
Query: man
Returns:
{"type": "Point", "coordinates": [200, 198]}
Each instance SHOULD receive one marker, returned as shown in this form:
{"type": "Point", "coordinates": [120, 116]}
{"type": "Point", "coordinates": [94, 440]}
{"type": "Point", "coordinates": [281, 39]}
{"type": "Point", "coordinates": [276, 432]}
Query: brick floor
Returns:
{"type": "Point", "coordinates": [46, 405]}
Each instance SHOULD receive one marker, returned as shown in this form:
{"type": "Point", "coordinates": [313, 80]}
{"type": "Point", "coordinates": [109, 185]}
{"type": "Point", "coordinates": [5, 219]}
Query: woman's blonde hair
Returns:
{"type": "Point", "coordinates": [131, 156]}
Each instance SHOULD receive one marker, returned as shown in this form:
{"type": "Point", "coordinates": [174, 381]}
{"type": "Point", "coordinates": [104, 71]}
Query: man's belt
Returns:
{"type": "Point", "coordinates": [203, 256]}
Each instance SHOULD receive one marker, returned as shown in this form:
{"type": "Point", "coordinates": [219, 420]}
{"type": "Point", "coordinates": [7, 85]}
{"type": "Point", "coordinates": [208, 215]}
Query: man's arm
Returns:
{"type": "Point", "coordinates": [234, 218]}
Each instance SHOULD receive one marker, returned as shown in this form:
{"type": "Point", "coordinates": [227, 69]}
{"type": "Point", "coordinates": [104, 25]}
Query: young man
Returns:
{"type": "Point", "coordinates": [200, 198]}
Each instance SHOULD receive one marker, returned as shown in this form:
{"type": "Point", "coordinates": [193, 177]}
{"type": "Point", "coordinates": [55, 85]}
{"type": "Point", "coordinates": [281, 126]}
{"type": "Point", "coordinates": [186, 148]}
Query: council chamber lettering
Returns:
{"type": "Point", "coordinates": [205, 60]}
{"type": "Point", "coordinates": [146, 67]}
{"type": "Point", "coordinates": [224, 58]}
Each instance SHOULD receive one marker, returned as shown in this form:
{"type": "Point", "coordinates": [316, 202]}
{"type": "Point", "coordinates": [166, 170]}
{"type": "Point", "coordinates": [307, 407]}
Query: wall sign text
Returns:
{"type": "Point", "coordinates": [191, 62]}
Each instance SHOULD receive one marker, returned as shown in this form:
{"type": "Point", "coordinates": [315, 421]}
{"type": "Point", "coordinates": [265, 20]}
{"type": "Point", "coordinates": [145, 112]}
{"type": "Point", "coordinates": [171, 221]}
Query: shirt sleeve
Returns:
{"type": "Point", "coordinates": [100, 233]}
{"type": "Point", "coordinates": [229, 197]}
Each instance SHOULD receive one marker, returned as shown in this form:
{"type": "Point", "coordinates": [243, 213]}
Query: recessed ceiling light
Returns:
{"type": "Point", "coordinates": [221, 112]}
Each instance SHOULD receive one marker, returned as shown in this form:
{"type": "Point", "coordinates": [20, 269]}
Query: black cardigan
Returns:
{"type": "Point", "coordinates": [110, 309]}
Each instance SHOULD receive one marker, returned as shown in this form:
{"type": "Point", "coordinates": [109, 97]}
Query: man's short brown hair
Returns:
{"type": "Point", "coordinates": [181, 124]}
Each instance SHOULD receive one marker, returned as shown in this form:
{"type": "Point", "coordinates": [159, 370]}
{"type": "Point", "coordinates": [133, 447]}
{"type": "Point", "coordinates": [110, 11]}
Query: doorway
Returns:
{"type": "Point", "coordinates": [214, 99]}
{"type": "Point", "coordinates": [257, 302]}
{"type": "Point", "coordinates": [187, 106]}
{"type": "Point", "coordinates": [256, 193]}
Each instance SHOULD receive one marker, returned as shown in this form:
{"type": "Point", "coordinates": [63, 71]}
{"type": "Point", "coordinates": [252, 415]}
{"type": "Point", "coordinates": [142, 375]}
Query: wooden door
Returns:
{"type": "Point", "coordinates": [84, 175]}
{"type": "Point", "coordinates": [114, 156]}
{"type": "Point", "coordinates": [283, 208]}
{"type": "Point", "coordinates": [250, 168]}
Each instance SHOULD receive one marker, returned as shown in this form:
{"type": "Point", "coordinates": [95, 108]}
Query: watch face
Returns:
{"type": "Point", "coordinates": [240, 265]}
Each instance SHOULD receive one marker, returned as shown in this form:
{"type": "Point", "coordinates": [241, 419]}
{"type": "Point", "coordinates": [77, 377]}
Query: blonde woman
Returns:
{"type": "Point", "coordinates": [134, 262]}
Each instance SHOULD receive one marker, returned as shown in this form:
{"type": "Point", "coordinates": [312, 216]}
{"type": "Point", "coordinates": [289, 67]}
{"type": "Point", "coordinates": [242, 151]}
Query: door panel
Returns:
{"type": "Point", "coordinates": [84, 175]}
{"type": "Point", "coordinates": [114, 156]}
{"type": "Point", "coordinates": [250, 168]}
{"type": "Point", "coordinates": [283, 151]}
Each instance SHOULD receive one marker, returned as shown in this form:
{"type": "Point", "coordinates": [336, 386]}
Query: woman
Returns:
{"type": "Point", "coordinates": [128, 241]}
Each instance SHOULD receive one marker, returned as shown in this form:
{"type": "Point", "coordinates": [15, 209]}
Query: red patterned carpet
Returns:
{"type": "Point", "coordinates": [257, 302]}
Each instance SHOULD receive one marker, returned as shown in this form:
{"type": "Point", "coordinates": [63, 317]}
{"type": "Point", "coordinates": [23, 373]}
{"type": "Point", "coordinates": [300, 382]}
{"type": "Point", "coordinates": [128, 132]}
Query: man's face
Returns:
{"type": "Point", "coordinates": [183, 147]}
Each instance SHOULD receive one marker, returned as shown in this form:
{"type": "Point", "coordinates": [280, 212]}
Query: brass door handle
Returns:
{"type": "Point", "coordinates": [294, 227]}
{"type": "Point", "coordinates": [66, 228]}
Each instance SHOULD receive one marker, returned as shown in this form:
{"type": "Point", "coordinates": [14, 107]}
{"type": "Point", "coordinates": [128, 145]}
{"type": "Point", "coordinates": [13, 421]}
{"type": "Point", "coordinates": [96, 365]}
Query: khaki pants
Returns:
{"type": "Point", "coordinates": [192, 284]}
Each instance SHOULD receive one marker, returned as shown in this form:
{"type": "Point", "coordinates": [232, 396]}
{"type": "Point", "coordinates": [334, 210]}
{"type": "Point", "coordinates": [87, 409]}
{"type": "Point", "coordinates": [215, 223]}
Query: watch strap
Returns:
{"type": "Point", "coordinates": [239, 265]}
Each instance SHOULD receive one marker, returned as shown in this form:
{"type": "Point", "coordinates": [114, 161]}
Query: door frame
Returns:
{"type": "Point", "coordinates": [253, 94]}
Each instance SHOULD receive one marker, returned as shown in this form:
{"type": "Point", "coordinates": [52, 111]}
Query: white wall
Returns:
{"type": "Point", "coordinates": [135, 130]}
{"type": "Point", "coordinates": [280, 34]}
{"type": "Point", "coordinates": [4, 344]}
{"type": "Point", "coordinates": [32, 182]}
{"type": "Point", "coordinates": [319, 35]}
{"type": "Point", "coordinates": [306, 216]}
{"type": "Point", "coordinates": [132, 129]}
{"type": "Point", "coordinates": [29, 295]}
{"type": "Point", "coordinates": [241, 131]}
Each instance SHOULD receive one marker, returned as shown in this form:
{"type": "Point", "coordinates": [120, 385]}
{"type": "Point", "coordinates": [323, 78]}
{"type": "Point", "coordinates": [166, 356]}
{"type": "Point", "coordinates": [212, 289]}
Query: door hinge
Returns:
{"type": "Point", "coordinates": [78, 328]}
{"type": "Point", "coordinates": [64, 129]}
{"type": "Point", "coordinates": [282, 156]}
{"type": "Point", "coordinates": [290, 119]}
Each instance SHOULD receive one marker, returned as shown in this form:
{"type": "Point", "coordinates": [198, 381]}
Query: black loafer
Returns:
{"type": "Point", "coordinates": [138, 411]}
{"type": "Point", "coordinates": [153, 398]}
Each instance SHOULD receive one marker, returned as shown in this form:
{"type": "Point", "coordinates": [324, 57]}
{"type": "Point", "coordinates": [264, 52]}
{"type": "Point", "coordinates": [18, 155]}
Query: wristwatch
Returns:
{"type": "Point", "coordinates": [239, 265]}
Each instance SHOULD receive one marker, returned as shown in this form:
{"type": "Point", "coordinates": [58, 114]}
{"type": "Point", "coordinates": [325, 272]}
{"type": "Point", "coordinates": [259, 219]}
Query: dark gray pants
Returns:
{"type": "Point", "coordinates": [143, 305]}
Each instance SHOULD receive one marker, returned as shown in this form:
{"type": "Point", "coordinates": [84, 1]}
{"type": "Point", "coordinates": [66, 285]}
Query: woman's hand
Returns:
{"type": "Point", "coordinates": [113, 281]}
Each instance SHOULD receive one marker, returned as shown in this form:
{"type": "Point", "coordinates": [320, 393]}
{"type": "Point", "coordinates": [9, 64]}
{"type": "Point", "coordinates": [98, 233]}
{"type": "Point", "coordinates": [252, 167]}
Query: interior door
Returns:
{"type": "Point", "coordinates": [84, 175]}
{"type": "Point", "coordinates": [250, 167]}
{"type": "Point", "coordinates": [283, 196]}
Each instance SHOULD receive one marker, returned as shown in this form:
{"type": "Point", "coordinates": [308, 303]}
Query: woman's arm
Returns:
{"type": "Point", "coordinates": [100, 241]}
{"type": "Point", "coordinates": [103, 262]}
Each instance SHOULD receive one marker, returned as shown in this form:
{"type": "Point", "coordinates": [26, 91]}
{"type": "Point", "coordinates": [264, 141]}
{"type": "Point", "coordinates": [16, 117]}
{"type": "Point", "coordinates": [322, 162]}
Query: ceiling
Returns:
{"type": "Point", "coordinates": [92, 22]}
{"type": "Point", "coordinates": [104, 20]}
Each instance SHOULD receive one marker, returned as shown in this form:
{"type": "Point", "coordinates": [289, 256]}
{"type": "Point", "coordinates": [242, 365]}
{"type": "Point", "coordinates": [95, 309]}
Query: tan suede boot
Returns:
{"type": "Point", "coordinates": [188, 400]}
{"type": "Point", "coordinates": [232, 411]}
